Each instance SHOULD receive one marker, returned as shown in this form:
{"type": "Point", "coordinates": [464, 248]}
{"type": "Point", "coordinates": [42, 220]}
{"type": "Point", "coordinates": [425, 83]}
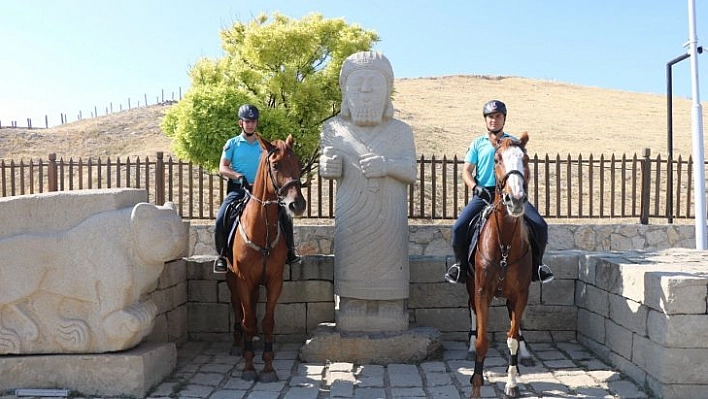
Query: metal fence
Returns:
{"type": "Point", "coordinates": [560, 187]}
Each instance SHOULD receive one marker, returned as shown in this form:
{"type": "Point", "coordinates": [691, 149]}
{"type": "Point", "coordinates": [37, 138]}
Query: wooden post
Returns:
{"type": "Point", "coordinates": [646, 187]}
{"type": "Point", "coordinates": [160, 179]}
{"type": "Point", "coordinates": [52, 172]}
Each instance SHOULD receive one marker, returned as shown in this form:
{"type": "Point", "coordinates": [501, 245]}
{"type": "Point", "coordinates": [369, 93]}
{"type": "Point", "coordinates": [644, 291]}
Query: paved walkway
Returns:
{"type": "Point", "coordinates": [563, 370]}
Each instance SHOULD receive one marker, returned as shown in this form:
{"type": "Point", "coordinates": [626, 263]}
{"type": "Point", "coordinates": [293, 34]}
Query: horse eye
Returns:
{"type": "Point", "coordinates": [275, 165]}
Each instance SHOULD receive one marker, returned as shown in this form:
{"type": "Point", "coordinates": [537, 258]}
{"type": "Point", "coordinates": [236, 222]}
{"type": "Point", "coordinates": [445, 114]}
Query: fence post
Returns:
{"type": "Point", "coordinates": [646, 190]}
{"type": "Point", "coordinates": [160, 179]}
{"type": "Point", "coordinates": [52, 173]}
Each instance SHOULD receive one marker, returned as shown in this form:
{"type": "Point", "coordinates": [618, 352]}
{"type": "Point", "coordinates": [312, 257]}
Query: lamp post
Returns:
{"type": "Point", "coordinates": [670, 133]}
{"type": "Point", "coordinates": [697, 127]}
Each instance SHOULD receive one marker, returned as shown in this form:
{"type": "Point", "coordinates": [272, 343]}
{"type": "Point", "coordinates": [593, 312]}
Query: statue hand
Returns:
{"type": "Point", "coordinates": [372, 165]}
{"type": "Point", "coordinates": [330, 163]}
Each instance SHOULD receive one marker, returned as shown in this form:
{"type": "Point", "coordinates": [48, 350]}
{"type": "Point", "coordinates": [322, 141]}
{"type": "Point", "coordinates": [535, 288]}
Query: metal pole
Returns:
{"type": "Point", "coordinates": [697, 125]}
{"type": "Point", "coordinates": [670, 136]}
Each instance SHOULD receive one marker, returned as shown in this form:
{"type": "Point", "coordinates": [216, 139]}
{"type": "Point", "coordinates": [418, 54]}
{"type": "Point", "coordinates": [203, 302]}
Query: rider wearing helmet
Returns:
{"type": "Point", "coordinates": [239, 163]}
{"type": "Point", "coordinates": [478, 174]}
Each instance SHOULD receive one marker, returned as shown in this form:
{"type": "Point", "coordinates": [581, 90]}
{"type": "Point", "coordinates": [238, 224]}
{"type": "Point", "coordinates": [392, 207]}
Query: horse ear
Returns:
{"type": "Point", "coordinates": [265, 144]}
{"type": "Point", "coordinates": [290, 141]}
{"type": "Point", "coordinates": [524, 138]}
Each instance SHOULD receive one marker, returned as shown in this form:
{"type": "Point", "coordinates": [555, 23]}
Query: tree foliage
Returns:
{"type": "Point", "coordinates": [288, 68]}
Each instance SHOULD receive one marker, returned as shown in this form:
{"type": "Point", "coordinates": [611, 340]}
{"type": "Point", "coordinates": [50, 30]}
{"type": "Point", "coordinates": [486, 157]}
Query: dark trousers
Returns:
{"type": "Point", "coordinates": [461, 230]}
{"type": "Point", "coordinates": [223, 225]}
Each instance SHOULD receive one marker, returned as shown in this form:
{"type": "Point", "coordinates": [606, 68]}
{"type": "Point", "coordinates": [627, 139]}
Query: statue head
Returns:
{"type": "Point", "coordinates": [366, 80]}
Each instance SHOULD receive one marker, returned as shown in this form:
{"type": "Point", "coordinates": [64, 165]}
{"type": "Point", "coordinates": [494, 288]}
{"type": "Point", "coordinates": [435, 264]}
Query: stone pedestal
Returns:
{"type": "Point", "coordinates": [414, 345]}
{"type": "Point", "coordinates": [129, 373]}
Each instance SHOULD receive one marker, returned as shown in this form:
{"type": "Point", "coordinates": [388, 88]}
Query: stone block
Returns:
{"type": "Point", "coordinates": [563, 263]}
{"type": "Point", "coordinates": [130, 373]}
{"type": "Point", "coordinates": [629, 314]}
{"type": "Point", "coordinates": [208, 317]}
{"type": "Point", "coordinates": [411, 346]}
{"type": "Point", "coordinates": [619, 339]}
{"type": "Point", "coordinates": [550, 317]}
{"type": "Point", "coordinates": [593, 299]}
{"type": "Point", "coordinates": [671, 365]}
{"type": "Point", "coordinates": [306, 291]}
{"type": "Point", "coordinates": [681, 293]}
{"type": "Point", "coordinates": [427, 269]}
{"type": "Point", "coordinates": [290, 318]}
{"type": "Point", "coordinates": [675, 391]}
{"type": "Point", "coordinates": [317, 313]}
{"type": "Point", "coordinates": [437, 295]}
{"type": "Point", "coordinates": [445, 319]}
{"type": "Point", "coordinates": [678, 330]}
{"type": "Point", "coordinates": [314, 267]}
{"type": "Point", "coordinates": [592, 325]}
{"type": "Point", "coordinates": [558, 292]}
{"type": "Point", "coordinates": [175, 272]}
{"type": "Point", "coordinates": [203, 291]}
{"type": "Point", "coordinates": [177, 324]}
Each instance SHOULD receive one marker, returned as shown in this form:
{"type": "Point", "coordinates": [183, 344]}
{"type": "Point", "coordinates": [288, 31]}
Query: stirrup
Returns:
{"type": "Point", "coordinates": [455, 274]}
{"type": "Point", "coordinates": [220, 265]}
{"type": "Point", "coordinates": [545, 274]}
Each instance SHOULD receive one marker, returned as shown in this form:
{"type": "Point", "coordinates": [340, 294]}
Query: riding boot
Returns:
{"type": "Point", "coordinates": [541, 271]}
{"type": "Point", "coordinates": [457, 273]}
{"type": "Point", "coordinates": [287, 225]}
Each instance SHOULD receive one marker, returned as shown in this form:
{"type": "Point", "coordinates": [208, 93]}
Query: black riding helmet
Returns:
{"type": "Point", "coordinates": [248, 111]}
{"type": "Point", "coordinates": [494, 106]}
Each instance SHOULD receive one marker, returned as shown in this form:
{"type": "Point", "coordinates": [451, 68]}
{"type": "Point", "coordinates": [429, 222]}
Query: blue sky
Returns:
{"type": "Point", "coordinates": [69, 56]}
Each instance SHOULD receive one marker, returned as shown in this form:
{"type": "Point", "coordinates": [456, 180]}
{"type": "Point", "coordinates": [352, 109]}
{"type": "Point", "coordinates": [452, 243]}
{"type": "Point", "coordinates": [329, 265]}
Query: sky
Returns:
{"type": "Point", "coordinates": [80, 56]}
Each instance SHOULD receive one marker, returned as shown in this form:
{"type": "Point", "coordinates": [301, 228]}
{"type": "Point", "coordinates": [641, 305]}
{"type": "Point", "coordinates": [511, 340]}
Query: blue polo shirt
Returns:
{"type": "Point", "coordinates": [481, 154]}
{"type": "Point", "coordinates": [243, 155]}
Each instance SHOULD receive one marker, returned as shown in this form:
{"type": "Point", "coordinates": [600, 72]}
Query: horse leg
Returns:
{"type": "Point", "coordinates": [249, 329]}
{"type": "Point", "coordinates": [482, 302]}
{"type": "Point", "coordinates": [472, 334]}
{"type": "Point", "coordinates": [511, 389]}
{"type": "Point", "coordinates": [236, 346]}
{"type": "Point", "coordinates": [274, 289]}
{"type": "Point", "coordinates": [525, 357]}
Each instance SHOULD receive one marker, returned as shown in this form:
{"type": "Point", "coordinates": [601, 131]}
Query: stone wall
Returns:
{"type": "Point", "coordinates": [646, 313]}
{"type": "Point", "coordinates": [434, 240]}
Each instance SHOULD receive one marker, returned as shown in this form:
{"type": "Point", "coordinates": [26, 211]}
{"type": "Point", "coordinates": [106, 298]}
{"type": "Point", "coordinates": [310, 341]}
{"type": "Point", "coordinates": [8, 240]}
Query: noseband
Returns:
{"type": "Point", "coordinates": [506, 197]}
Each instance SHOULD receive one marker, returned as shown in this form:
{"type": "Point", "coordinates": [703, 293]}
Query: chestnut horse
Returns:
{"type": "Point", "coordinates": [260, 251]}
{"type": "Point", "coordinates": [502, 261]}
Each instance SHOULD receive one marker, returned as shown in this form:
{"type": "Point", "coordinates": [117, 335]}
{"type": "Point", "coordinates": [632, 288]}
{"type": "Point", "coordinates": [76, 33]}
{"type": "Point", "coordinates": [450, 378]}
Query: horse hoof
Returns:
{"type": "Point", "coordinates": [512, 392]}
{"type": "Point", "coordinates": [249, 375]}
{"type": "Point", "coordinates": [268, 377]}
{"type": "Point", "coordinates": [527, 362]}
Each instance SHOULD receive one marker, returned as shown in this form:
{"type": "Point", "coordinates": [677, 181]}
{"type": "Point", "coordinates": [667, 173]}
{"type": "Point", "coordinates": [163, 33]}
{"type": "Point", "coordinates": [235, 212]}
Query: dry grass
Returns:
{"type": "Point", "coordinates": [445, 113]}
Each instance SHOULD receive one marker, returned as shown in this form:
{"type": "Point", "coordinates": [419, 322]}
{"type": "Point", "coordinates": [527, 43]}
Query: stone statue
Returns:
{"type": "Point", "coordinates": [78, 289]}
{"type": "Point", "coordinates": [372, 157]}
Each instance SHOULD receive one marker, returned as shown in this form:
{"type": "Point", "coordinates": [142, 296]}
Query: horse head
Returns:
{"type": "Point", "coordinates": [284, 169]}
{"type": "Point", "coordinates": [512, 173]}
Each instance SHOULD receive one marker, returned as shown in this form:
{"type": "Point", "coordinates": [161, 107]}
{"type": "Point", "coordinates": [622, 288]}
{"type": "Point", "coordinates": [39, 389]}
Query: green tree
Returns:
{"type": "Point", "coordinates": [288, 68]}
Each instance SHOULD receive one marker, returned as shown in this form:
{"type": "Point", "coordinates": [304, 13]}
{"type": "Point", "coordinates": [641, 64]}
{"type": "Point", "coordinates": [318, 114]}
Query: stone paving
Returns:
{"type": "Point", "coordinates": [562, 370]}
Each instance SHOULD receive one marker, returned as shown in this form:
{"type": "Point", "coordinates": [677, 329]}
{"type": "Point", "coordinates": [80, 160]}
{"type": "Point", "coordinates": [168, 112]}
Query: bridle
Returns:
{"type": "Point", "coordinates": [279, 192]}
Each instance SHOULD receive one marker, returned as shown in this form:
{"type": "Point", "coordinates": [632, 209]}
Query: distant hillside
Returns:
{"type": "Point", "coordinates": [444, 112]}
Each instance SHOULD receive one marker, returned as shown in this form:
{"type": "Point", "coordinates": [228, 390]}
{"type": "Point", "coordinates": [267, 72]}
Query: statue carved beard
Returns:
{"type": "Point", "coordinates": [367, 114]}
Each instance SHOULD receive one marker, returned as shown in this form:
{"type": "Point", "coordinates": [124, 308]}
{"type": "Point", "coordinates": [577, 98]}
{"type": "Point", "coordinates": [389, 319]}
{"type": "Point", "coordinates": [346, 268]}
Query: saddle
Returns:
{"type": "Point", "coordinates": [475, 227]}
{"type": "Point", "coordinates": [231, 221]}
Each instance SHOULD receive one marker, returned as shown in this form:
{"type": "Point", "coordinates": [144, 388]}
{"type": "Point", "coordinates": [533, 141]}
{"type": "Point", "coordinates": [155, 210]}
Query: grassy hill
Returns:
{"type": "Point", "coordinates": [444, 112]}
